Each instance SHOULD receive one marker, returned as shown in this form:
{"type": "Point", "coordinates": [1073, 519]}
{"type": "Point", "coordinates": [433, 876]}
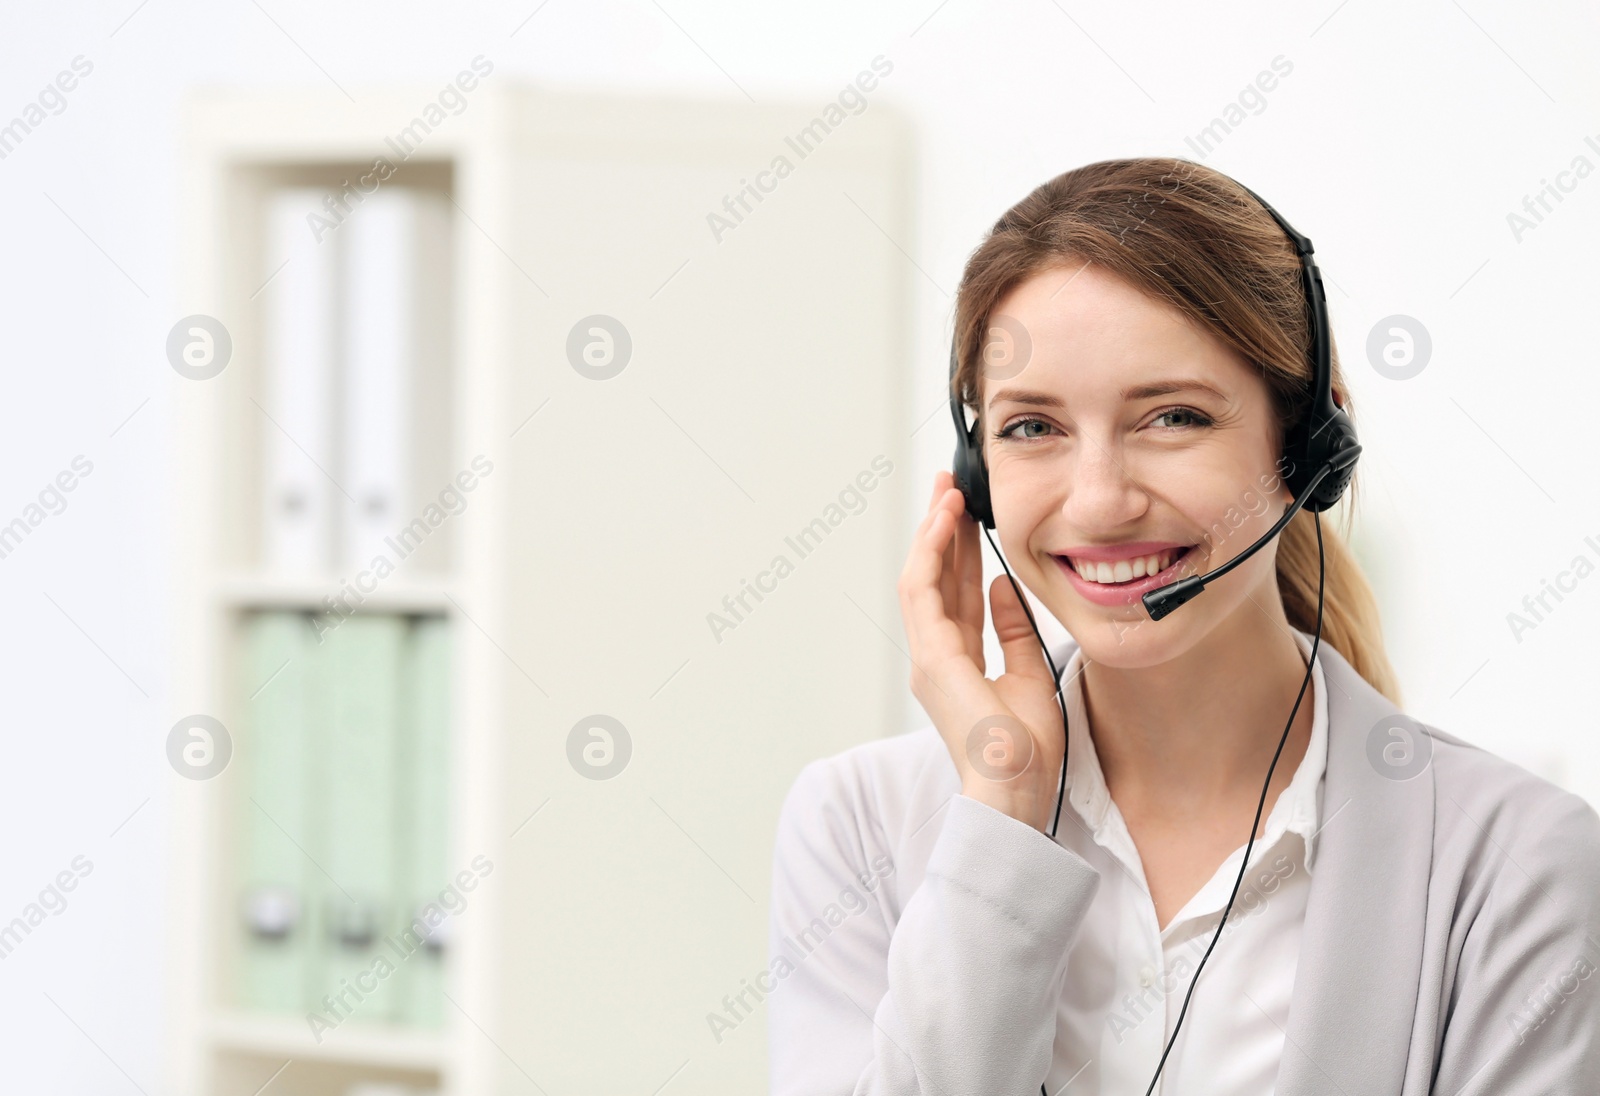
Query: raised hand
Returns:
{"type": "Point", "coordinates": [1004, 735]}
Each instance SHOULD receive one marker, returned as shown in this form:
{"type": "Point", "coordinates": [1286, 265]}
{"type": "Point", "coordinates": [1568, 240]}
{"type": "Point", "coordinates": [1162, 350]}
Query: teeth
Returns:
{"type": "Point", "coordinates": [1125, 570]}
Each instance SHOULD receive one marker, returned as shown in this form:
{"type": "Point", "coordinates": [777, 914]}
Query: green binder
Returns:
{"type": "Point", "coordinates": [357, 729]}
{"type": "Point", "coordinates": [424, 821]}
{"type": "Point", "coordinates": [274, 932]}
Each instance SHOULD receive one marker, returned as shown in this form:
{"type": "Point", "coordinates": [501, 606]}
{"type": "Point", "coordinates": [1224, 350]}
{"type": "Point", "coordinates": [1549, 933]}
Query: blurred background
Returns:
{"type": "Point", "coordinates": [458, 462]}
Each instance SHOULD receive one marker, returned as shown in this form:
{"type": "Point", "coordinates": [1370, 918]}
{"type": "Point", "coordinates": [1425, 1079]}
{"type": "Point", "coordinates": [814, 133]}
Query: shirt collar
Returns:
{"type": "Point", "coordinates": [1296, 809]}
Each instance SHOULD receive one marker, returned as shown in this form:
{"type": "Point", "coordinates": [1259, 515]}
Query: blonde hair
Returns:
{"type": "Point", "coordinates": [1192, 238]}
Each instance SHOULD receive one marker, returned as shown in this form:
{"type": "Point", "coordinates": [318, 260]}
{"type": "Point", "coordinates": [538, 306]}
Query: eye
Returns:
{"type": "Point", "coordinates": [1195, 418]}
{"type": "Point", "coordinates": [1010, 429]}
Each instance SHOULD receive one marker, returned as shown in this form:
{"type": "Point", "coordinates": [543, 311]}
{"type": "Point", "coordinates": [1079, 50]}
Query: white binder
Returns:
{"type": "Point", "coordinates": [380, 279]}
{"type": "Point", "coordinates": [297, 345]}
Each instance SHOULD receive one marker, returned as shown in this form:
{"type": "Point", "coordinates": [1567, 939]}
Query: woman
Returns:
{"type": "Point", "coordinates": [1407, 913]}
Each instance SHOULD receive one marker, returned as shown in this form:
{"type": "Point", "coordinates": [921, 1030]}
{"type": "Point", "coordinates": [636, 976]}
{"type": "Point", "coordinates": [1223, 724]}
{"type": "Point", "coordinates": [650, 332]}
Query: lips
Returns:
{"type": "Point", "coordinates": [1123, 580]}
{"type": "Point", "coordinates": [1122, 570]}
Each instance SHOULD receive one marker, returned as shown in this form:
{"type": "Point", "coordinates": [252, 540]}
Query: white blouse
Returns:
{"type": "Point", "coordinates": [920, 939]}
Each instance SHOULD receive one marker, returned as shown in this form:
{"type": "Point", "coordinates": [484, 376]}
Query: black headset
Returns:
{"type": "Point", "coordinates": [1319, 458]}
{"type": "Point", "coordinates": [1324, 435]}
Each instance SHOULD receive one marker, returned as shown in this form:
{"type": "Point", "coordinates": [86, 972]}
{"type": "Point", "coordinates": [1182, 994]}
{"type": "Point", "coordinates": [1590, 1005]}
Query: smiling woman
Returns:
{"type": "Point", "coordinates": [1160, 411]}
{"type": "Point", "coordinates": [1167, 328]}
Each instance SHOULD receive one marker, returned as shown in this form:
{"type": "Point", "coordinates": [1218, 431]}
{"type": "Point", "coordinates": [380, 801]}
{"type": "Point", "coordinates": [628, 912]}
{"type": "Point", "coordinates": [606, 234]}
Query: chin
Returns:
{"type": "Point", "coordinates": [1134, 642]}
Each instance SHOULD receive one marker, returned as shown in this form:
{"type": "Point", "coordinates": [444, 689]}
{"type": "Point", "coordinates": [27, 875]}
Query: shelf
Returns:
{"type": "Point", "coordinates": [368, 1045]}
{"type": "Point", "coordinates": [602, 199]}
{"type": "Point", "coordinates": [248, 591]}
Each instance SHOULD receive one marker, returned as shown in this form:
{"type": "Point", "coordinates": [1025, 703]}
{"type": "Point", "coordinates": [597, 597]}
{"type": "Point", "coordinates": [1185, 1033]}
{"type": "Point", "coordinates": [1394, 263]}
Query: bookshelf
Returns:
{"type": "Point", "coordinates": [580, 574]}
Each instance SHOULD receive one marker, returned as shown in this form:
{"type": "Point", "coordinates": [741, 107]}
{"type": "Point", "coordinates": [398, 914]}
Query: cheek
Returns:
{"type": "Point", "coordinates": [1023, 492]}
{"type": "Point", "coordinates": [1014, 532]}
{"type": "Point", "coordinates": [1229, 508]}
{"type": "Point", "coordinates": [1226, 528]}
{"type": "Point", "coordinates": [1020, 513]}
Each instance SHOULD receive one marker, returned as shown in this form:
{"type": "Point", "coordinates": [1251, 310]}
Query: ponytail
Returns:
{"type": "Point", "coordinates": [1349, 611]}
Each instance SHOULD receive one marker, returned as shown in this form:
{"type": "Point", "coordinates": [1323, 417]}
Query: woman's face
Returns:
{"type": "Point", "coordinates": [1127, 433]}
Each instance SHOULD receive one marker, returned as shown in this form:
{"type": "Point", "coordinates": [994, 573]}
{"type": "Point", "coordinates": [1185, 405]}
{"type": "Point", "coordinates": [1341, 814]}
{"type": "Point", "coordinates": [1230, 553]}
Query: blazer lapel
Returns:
{"type": "Point", "coordinates": [1355, 992]}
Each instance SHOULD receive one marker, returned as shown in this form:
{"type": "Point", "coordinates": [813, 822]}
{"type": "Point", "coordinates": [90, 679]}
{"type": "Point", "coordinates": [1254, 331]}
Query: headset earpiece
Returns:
{"type": "Point", "coordinates": [1330, 441]}
{"type": "Point", "coordinates": [968, 468]}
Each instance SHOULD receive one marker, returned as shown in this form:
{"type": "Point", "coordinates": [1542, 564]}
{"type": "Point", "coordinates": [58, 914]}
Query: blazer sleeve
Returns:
{"type": "Point", "coordinates": [960, 997]}
{"type": "Point", "coordinates": [1524, 1016]}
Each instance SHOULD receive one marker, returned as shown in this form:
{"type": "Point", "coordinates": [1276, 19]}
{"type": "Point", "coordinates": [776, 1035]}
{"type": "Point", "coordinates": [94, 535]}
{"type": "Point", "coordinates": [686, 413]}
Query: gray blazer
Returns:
{"type": "Point", "coordinates": [1450, 942]}
{"type": "Point", "coordinates": [1453, 926]}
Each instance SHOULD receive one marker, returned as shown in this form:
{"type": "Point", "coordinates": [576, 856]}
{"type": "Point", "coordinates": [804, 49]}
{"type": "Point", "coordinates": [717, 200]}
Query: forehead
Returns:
{"type": "Point", "coordinates": [1079, 329]}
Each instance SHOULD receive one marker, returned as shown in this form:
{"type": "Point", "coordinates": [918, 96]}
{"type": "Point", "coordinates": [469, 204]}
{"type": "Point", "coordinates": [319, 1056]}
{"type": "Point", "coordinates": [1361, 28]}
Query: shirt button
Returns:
{"type": "Point", "coordinates": [1147, 974]}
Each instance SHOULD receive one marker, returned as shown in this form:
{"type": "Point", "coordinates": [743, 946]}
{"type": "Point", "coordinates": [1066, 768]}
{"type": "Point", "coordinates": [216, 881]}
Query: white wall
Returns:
{"type": "Point", "coordinates": [1400, 143]}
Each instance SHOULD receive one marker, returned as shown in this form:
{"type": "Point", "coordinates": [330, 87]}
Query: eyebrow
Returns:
{"type": "Point", "coordinates": [1134, 392]}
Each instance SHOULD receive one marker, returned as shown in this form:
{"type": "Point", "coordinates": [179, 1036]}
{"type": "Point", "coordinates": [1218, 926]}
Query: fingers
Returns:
{"type": "Point", "coordinates": [961, 574]}
{"type": "Point", "coordinates": [1019, 644]}
{"type": "Point", "coordinates": [955, 573]}
{"type": "Point", "coordinates": [949, 577]}
{"type": "Point", "coordinates": [969, 584]}
{"type": "Point", "coordinates": [923, 598]}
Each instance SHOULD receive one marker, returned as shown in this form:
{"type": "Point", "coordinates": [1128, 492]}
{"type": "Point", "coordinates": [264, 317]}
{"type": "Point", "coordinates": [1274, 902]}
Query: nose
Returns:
{"type": "Point", "coordinates": [1102, 495]}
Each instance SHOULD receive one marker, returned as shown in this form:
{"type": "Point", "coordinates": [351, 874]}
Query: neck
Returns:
{"type": "Point", "coordinates": [1181, 739]}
